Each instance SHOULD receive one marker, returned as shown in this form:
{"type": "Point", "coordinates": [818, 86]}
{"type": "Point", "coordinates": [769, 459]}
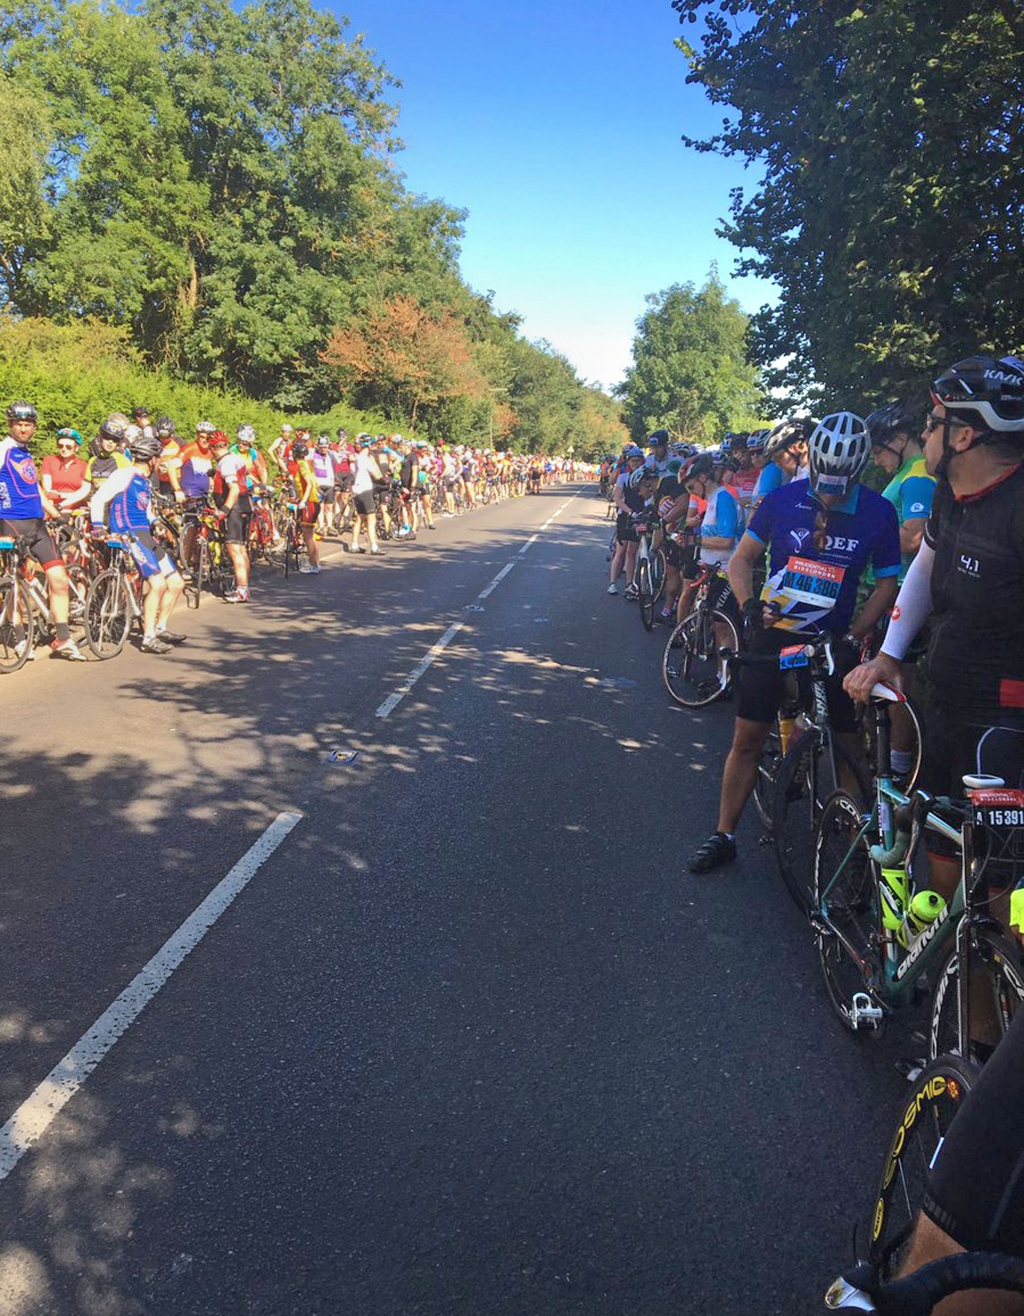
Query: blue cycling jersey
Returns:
{"type": "Point", "coordinates": [770, 479]}
{"type": "Point", "coordinates": [816, 589]}
{"type": "Point", "coordinates": [19, 483]}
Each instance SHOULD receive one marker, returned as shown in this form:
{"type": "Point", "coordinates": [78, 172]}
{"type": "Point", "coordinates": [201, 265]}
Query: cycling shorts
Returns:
{"type": "Point", "coordinates": [976, 1190]}
{"type": "Point", "coordinates": [675, 553]}
{"type": "Point", "coordinates": [37, 540]}
{"type": "Point", "coordinates": [344, 483]}
{"type": "Point", "coordinates": [310, 514]}
{"type": "Point", "coordinates": [365, 505]}
{"type": "Point", "coordinates": [762, 690]}
{"type": "Point", "coordinates": [236, 523]}
{"type": "Point", "coordinates": [150, 557]}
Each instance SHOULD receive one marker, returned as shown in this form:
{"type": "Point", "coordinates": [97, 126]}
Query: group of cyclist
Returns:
{"type": "Point", "coordinates": [808, 548]}
{"type": "Point", "coordinates": [137, 474]}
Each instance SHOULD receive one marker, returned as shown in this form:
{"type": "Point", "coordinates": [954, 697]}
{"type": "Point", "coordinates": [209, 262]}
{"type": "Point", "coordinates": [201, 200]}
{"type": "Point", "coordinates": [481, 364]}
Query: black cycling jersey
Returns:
{"type": "Point", "coordinates": [976, 654]}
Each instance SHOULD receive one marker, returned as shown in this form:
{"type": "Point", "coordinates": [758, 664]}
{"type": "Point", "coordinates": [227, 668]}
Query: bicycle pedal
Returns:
{"type": "Point", "coordinates": [910, 1067]}
{"type": "Point", "coordinates": [863, 1013]}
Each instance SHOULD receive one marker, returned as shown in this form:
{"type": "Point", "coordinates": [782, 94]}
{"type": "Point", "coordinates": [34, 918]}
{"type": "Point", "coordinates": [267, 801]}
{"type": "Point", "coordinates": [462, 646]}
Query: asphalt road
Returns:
{"type": "Point", "coordinates": [471, 1040]}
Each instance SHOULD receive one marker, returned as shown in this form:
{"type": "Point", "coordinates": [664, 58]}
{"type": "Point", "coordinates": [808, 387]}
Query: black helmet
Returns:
{"type": "Point", "coordinates": [140, 411]}
{"type": "Point", "coordinates": [165, 427]}
{"type": "Point", "coordinates": [22, 411]}
{"type": "Point", "coordinates": [659, 439]}
{"type": "Point", "coordinates": [787, 432]}
{"type": "Point", "coordinates": [112, 428]}
{"type": "Point", "coordinates": [890, 420]}
{"type": "Point", "coordinates": [300, 449]}
{"type": "Point", "coordinates": [986, 392]}
{"type": "Point", "coordinates": [145, 447]}
{"type": "Point", "coordinates": [700, 467]}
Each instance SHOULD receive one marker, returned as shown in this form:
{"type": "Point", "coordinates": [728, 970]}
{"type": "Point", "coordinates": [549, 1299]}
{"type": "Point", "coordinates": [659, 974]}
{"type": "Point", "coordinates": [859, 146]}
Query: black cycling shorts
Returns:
{"type": "Point", "coordinates": [344, 483]}
{"type": "Point", "coordinates": [762, 689]}
{"type": "Point", "coordinates": [625, 531]}
{"type": "Point", "coordinates": [976, 1190]}
{"type": "Point", "coordinates": [236, 523]}
{"type": "Point", "coordinates": [365, 505]}
{"type": "Point", "coordinates": [37, 540]}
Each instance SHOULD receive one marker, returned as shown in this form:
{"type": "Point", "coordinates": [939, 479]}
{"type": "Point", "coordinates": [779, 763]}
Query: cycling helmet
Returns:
{"type": "Point", "coordinates": [837, 452]}
{"type": "Point", "coordinates": [218, 439]}
{"type": "Point", "coordinates": [246, 434]}
{"type": "Point", "coordinates": [757, 440]}
{"type": "Point", "coordinates": [300, 450]}
{"type": "Point", "coordinates": [205, 427]}
{"type": "Point", "coordinates": [883, 424]}
{"type": "Point", "coordinates": [984, 391]}
{"type": "Point", "coordinates": [113, 428]}
{"type": "Point", "coordinates": [642, 473]}
{"type": "Point", "coordinates": [165, 427]}
{"type": "Point", "coordinates": [728, 439]}
{"type": "Point", "coordinates": [139, 412]}
{"type": "Point", "coordinates": [69, 433]}
{"type": "Point", "coordinates": [286, 429]}
{"type": "Point", "coordinates": [700, 467]}
{"type": "Point", "coordinates": [631, 452]}
{"type": "Point", "coordinates": [342, 434]}
{"type": "Point", "coordinates": [22, 411]}
{"type": "Point", "coordinates": [659, 439]}
{"type": "Point", "coordinates": [131, 433]}
{"type": "Point", "coordinates": [787, 432]}
{"type": "Point", "coordinates": [323, 438]}
{"type": "Point", "coordinates": [145, 447]}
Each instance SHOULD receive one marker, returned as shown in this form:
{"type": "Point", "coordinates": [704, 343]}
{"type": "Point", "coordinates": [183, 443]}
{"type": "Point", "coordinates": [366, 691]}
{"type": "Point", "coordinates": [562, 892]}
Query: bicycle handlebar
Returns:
{"type": "Point", "coordinates": [918, 1294]}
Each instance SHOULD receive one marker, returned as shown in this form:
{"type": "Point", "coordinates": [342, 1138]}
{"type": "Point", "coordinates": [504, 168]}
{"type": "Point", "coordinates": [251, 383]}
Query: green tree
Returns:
{"type": "Point", "coordinates": [690, 371]}
{"type": "Point", "coordinates": [891, 211]}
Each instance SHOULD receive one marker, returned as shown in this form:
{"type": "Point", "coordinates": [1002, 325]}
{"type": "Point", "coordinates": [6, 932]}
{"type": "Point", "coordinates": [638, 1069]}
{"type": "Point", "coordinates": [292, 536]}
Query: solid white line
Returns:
{"type": "Point", "coordinates": [391, 703]}
{"type": "Point", "coordinates": [35, 1115]}
{"type": "Point", "coordinates": [530, 541]}
{"type": "Point", "coordinates": [486, 593]}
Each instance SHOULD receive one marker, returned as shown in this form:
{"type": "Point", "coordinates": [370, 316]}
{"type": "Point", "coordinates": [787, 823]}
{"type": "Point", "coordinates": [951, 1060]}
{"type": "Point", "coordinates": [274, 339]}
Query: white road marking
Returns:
{"type": "Point", "coordinates": [35, 1115]}
{"type": "Point", "coordinates": [486, 593]}
{"type": "Point", "coordinates": [391, 703]}
{"type": "Point", "coordinates": [532, 540]}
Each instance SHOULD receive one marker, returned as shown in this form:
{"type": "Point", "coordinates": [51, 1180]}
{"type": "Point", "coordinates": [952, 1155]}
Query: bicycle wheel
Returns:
{"type": "Point", "coordinates": [805, 781]}
{"type": "Point", "coordinates": [17, 624]}
{"type": "Point", "coordinates": [693, 673]}
{"type": "Point", "coordinates": [108, 614]}
{"type": "Point", "coordinates": [926, 1114]}
{"type": "Point", "coordinates": [767, 771]}
{"type": "Point", "coordinates": [200, 569]}
{"type": "Point", "coordinates": [645, 590]}
{"type": "Point", "coordinates": [995, 960]}
{"type": "Point", "coordinates": [846, 915]}
{"type": "Point", "coordinates": [293, 543]}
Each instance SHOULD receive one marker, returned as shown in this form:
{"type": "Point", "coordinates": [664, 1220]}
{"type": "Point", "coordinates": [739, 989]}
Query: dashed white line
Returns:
{"type": "Point", "coordinates": [532, 540]}
{"type": "Point", "coordinates": [486, 593]}
{"type": "Point", "coordinates": [393, 700]}
{"type": "Point", "coordinates": [35, 1115]}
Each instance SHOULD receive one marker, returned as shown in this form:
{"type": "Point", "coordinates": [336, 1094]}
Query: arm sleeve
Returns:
{"type": "Point", "coordinates": [916, 496]}
{"type": "Point", "coordinates": [913, 604]}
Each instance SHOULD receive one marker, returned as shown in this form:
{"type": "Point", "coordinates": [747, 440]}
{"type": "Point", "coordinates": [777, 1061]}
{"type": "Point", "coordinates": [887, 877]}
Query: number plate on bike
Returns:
{"type": "Point", "coordinates": [1001, 812]}
{"type": "Point", "coordinates": [795, 655]}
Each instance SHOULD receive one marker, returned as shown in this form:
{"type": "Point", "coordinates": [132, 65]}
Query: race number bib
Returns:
{"type": "Point", "coordinates": [816, 583]}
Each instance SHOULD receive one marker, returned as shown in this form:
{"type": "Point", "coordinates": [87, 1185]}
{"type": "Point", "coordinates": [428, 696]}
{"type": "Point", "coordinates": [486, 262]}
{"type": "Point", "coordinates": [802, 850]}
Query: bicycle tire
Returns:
{"type": "Point", "coordinates": [291, 552]}
{"type": "Point", "coordinates": [15, 603]}
{"type": "Point", "coordinates": [645, 594]}
{"type": "Point", "coordinates": [108, 615]}
{"type": "Point", "coordinates": [764, 782]}
{"type": "Point", "coordinates": [999, 958]}
{"type": "Point", "coordinates": [200, 570]}
{"type": "Point", "coordinates": [796, 808]}
{"type": "Point", "coordinates": [925, 1115]}
{"type": "Point", "coordinates": [691, 669]}
{"type": "Point", "coordinates": [657, 562]}
{"type": "Point", "coordinates": [846, 917]}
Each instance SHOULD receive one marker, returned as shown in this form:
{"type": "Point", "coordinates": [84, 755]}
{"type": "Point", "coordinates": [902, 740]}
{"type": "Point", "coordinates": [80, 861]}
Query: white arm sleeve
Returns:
{"type": "Point", "coordinates": [913, 605]}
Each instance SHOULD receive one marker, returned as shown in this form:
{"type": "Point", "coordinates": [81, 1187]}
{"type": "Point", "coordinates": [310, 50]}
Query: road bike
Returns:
{"type": "Point", "coordinates": [649, 576]}
{"type": "Point", "coordinates": [881, 934]}
{"type": "Point", "coordinates": [695, 665]}
{"type": "Point", "coordinates": [25, 602]}
{"type": "Point", "coordinates": [208, 562]}
{"type": "Point", "coordinates": [114, 602]}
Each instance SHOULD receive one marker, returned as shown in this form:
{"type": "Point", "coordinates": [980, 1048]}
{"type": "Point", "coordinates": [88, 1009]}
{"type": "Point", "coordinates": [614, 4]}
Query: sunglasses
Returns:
{"type": "Point", "coordinates": [67, 443]}
{"type": "Point", "coordinates": [932, 422]}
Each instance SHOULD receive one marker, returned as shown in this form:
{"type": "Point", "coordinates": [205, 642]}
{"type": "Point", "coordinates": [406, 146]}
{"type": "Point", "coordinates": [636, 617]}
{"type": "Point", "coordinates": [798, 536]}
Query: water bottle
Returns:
{"type": "Point", "coordinates": [894, 898]}
{"type": "Point", "coordinates": [924, 909]}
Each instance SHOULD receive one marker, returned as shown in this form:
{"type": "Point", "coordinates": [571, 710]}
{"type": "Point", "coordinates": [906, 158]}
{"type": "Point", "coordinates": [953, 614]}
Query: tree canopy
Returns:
{"type": "Point", "coordinates": [219, 182]}
{"type": "Point", "coordinates": [690, 371]}
{"type": "Point", "coordinates": [891, 212]}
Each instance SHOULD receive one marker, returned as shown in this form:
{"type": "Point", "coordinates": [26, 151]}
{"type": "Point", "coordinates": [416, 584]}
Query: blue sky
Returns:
{"type": "Point", "coordinates": [556, 124]}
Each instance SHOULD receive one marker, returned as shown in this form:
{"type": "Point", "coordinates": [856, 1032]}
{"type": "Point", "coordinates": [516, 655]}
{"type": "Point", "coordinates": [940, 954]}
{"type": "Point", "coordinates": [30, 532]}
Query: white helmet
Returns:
{"type": "Point", "coordinates": [837, 452]}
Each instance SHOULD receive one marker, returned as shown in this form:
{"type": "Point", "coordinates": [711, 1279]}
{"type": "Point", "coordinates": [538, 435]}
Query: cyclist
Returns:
{"type": "Point", "coordinates": [745, 471]}
{"type": "Point", "coordinates": [367, 474]}
{"type": "Point", "coordinates": [657, 452]}
{"type": "Point", "coordinates": [169, 450]}
{"type": "Point", "coordinates": [968, 577]}
{"type": "Point", "coordinates": [307, 501]}
{"type": "Point", "coordinates": [125, 499]}
{"type": "Point", "coordinates": [230, 490]}
{"type": "Point", "coordinates": [896, 448]}
{"type": "Point", "coordinates": [785, 449]}
{"type": "Point", "coordinates": [280, 450]}
{"type": "Point", "coordinates": [820, 534]}
{"type": "Point", "coordinates": [721, 523]}
{"type": "Point", "coordinates": [628, 501]}
{"type": "Point", "coordinates": [323, 469]}
{"type": "Point", "coordinates": [23, 508]}
{"type": "Point", "coordinates": [106, 451]}
{"type": "Point", "coordinates": [63, 474]}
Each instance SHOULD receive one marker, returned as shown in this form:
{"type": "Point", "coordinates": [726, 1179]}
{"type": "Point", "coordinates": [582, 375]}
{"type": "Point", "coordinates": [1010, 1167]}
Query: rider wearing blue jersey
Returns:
{"type": "Point", "coordinates": [23, 507]}
{"type": "Point", "coordinates": [124, 501]}
{"type": "Point", "coordinates": [819, 535]}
